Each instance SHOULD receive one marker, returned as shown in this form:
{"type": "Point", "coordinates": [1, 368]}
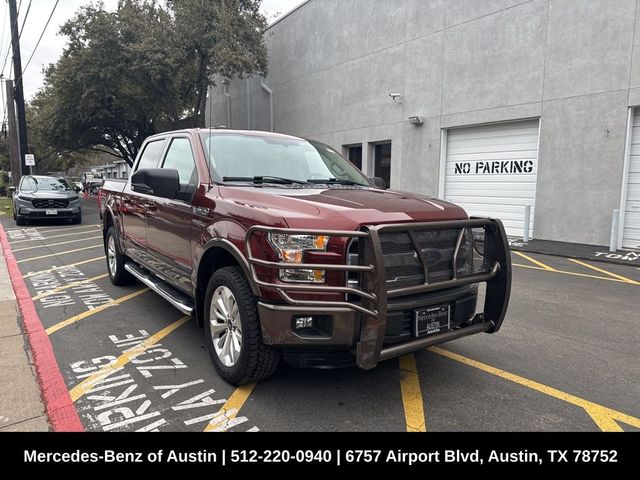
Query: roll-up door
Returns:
{"type": "Point", "coordinates": [491, 170]}
{"type": "Point", "coordinates": [631, 219]}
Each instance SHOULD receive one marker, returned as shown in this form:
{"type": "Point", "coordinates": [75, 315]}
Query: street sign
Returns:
{"type": "Point", "coordinates": [30, 160]}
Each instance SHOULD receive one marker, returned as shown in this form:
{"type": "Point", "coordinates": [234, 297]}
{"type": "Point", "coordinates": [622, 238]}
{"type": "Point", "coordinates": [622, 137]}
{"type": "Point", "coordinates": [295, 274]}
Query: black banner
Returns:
{"type": "Point", "coordinates": [349, 452]}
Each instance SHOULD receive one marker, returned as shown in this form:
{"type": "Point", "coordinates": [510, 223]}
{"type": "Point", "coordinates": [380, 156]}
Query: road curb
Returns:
{"type": "Point", "coordinates": [60, 410]}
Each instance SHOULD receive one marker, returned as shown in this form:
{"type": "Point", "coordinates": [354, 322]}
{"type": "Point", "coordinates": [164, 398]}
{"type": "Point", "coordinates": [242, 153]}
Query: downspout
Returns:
{"type": "Point", "coordinates": [270, 93]}
{"type": "Point", "coordinates": [248, 105]}
{"type": "Point", "coordinates": [228, 97]}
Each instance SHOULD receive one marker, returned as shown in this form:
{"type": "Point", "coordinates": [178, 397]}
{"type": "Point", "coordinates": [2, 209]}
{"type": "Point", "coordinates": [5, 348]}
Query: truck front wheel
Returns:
{"type": "Point", "coordinates": [232, 329]}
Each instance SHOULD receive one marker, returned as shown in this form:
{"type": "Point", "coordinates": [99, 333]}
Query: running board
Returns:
{"type": "Point", "coordinates": [174, 297]}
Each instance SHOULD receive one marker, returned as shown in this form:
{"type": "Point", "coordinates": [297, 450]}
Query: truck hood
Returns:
{"type": "Point", "coordinates": [343, 207]}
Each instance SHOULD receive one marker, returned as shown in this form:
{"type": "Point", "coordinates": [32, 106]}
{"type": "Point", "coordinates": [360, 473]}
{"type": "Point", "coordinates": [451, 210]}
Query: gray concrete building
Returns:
{"type": "Point", "coordinates": [493, 104]}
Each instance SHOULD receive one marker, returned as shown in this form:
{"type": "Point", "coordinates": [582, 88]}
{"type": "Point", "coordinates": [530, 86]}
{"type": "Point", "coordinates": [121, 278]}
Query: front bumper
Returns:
{"type": "Point", "coordinates": [41, 213]}
{"type": "Point", "coordinates": [365, 327]}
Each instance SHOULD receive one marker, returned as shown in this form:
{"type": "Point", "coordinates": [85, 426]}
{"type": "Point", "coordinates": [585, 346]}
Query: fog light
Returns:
{"type": "Point", "coordinates": [303, 322]}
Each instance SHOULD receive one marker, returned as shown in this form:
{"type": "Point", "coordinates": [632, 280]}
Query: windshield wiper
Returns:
{"type": "Point", "coordinates": [265, 179]}
{"type": "Point", "coordinates": [329, 181]}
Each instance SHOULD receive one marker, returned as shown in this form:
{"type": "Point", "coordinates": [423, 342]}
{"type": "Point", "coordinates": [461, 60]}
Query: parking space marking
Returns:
{"type": "Point", "coordinates": [535, 262]}
{"type": "Point", "coordinates": [605, 418]}
{"type": "Point", "coordinates": [60, 253]}
{"type": "Point", "coordinates": [56, 244]}
{"type": "Point", "coordinates": [577, 274]}
{"type": "Point", "coordinates": [88, 313]}
{"type": "Point", "coordinates": [411, 394]}
{"type": "Point", "coordinates": [88, 383]}
{"type": "Point", "coordinates": [68, 285]}
{"type": "Point", "coordinates": [223, 419]}
{"type": "Point", "coordinates": [611, 274]}
{"type": "Point", "coordinates": [49, 237]}
{"type": "Point", "coordinates": [53, 269]}
{"type": "Point", "coordinates": [54, 229]}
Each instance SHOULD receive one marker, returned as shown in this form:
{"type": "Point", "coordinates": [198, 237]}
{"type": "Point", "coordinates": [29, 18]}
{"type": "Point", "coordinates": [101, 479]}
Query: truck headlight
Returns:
{"type": "Point", "coordinates": [291, 248]}
{"type": "Point", "coordinates": [25, 197]}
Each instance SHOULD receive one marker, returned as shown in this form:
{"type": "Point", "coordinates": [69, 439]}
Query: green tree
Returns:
{"type": "Point", "coordinates": [221, 38]}
{"type": "Point", "coordinates": [5, 162]}
{"type": "Point", "coordinates": [144, 68]}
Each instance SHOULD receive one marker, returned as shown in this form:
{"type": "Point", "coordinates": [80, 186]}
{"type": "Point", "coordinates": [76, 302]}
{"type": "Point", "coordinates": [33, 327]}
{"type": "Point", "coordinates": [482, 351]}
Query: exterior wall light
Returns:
{"type": "Point", "coordinates": [396, 97]}
{"type": "Point", "coordinates": [416, 120]}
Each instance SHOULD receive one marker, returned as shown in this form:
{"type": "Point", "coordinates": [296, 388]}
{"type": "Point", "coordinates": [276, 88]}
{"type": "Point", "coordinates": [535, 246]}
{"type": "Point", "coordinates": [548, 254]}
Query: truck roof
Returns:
{"type": "Point", "coordinates": [227, 131]}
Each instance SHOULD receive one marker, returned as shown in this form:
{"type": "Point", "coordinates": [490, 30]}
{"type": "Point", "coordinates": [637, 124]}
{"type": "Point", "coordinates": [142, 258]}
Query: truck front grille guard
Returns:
{"type": "Point", "coordinates": [374, 292]}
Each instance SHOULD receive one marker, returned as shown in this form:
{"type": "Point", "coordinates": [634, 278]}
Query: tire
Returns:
{"type": "Point", "coordinates": [76, 220]}
{"type": "Point", "coordinates": [20, 220]}
{"type": "Point", "coordinates": [255, 360]}
{"type": "Point", "coordinates": [116, 260]}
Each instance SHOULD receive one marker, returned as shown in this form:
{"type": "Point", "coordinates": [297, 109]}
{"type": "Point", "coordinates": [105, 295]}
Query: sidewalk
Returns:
{"type": "Point", "coordinates": [577, 250]}
{"type": "Point", "coordinates": [21, 408]}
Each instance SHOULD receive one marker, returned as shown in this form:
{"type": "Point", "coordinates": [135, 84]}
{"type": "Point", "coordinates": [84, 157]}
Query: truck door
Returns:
{"type": "Point", "coordinates": [169, 221]}
{"type": "Point", "coordinates": [134, 204]}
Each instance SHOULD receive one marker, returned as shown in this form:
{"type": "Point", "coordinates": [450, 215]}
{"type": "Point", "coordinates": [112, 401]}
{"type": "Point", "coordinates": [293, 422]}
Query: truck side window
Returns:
{"type": "Point", "coordinates": [151, 155]}
{"type": "Point", "coordinates": [180, 157]}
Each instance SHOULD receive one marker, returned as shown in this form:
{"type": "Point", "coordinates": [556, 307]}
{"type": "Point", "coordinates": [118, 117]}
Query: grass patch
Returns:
{"type": "Point", "coordinates": [6, 206]}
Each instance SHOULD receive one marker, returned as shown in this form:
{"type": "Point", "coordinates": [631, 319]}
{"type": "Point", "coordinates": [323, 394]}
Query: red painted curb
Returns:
{"type": "Point", "coordinates": [60, 409]}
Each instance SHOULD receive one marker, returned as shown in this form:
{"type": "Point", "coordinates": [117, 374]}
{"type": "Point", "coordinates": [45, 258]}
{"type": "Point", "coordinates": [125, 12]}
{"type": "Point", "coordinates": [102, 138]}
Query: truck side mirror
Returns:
{"type": "Point", "coordinates": [379, 182]}
{"type": "Point", "coordinates": [12, 188]}
{"type": "Point", "coordinates": [159, 182]}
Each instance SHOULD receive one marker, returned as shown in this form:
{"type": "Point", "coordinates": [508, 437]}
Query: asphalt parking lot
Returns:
{"type": "Point", "coordinates": [566, 358]}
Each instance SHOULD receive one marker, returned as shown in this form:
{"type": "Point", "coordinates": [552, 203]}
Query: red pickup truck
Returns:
{"type": "Point", "coordinates": [281, 248]}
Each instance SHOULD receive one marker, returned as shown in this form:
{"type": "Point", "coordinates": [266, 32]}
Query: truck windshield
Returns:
{"type": "Point", "coordinates": [235, 157]}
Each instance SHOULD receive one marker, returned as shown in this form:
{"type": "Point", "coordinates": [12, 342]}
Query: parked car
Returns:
{"type": "Point", "coordinates": [40, 197]}
{"type": "Point", "coordinates": [94, 186]}
{"type": "Point", "coordinates": [282, 248]}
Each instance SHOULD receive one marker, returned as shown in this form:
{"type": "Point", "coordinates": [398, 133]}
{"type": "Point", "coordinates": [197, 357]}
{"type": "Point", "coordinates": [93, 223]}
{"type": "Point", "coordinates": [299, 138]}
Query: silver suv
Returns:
{"type": "Point", "coordinates": [39, 197]}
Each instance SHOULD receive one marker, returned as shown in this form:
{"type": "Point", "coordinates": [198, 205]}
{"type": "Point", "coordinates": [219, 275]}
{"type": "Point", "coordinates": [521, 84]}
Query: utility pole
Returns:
{"type": "Point", "coordinates": [19, 92]}
{"type": "Point", "coordinates": [14, 151]}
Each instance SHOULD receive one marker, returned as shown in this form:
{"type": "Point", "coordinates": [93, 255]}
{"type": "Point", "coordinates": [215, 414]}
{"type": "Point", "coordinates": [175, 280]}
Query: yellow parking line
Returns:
{"type": "Point", "coordinates": [68, 285]}
{"type": "Point", "coordinates": [56, 244]}
{"type": "Point", "coordinates": [47, 238]}
{"type": "Point", "coordinates": [569, 273]}
{"type": "Point", "coordinates": [88, 383]}
{"type": "Point", "coordinates": [88, 313]}
{"type": "Point", "coordinates": [604, 417]}
{"type": "Point", "coordinates": [611, 274]}
{"type": "Point", "coordinates": [534, 261]}
{"type": "Point", "coordinates": [230, 409]}
{"type": "Point", "coordinates": [59, 253]}
{"type": "Point", "coordinates": [411, 395]}
{"type": "Point", "coordinates": [53, 269]}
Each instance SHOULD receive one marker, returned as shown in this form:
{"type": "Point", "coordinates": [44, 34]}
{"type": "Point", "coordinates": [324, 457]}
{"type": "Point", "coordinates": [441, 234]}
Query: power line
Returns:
{"type": "Point", "coordinates": [6, 57]}
{"type": "Point", "coordinates": [39, 40]}
{"type": "Point", "coordinates": [4, 27]}
{"type": "Point", "coordinates": [25, 19]}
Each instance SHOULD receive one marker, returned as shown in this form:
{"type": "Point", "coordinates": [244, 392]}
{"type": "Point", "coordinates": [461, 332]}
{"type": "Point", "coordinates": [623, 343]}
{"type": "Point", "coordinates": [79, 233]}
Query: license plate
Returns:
{"type": "Point", "coordinates": [51, 211]}
{"type": "Point", "coordinates": [430, 320]}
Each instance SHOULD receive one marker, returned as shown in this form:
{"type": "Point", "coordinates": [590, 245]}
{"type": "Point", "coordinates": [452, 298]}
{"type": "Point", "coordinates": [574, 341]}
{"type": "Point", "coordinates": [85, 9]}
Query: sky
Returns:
{"type": "Point", "coordinates": [52, 44]}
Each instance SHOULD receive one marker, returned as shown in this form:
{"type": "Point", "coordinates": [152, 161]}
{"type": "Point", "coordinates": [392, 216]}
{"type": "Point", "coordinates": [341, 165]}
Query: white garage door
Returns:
{"type": "Point", "coordinates": [631, 221]}
{"type": "Point", "coordinates": [491, 171]}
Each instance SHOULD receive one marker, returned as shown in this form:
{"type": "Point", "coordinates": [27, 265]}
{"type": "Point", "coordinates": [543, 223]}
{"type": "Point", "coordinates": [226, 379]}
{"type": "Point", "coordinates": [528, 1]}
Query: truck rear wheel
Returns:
{"type": "Point", "coordinates": [116, 260]}
{"type": "Point", "coordinates": [232, 329]}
